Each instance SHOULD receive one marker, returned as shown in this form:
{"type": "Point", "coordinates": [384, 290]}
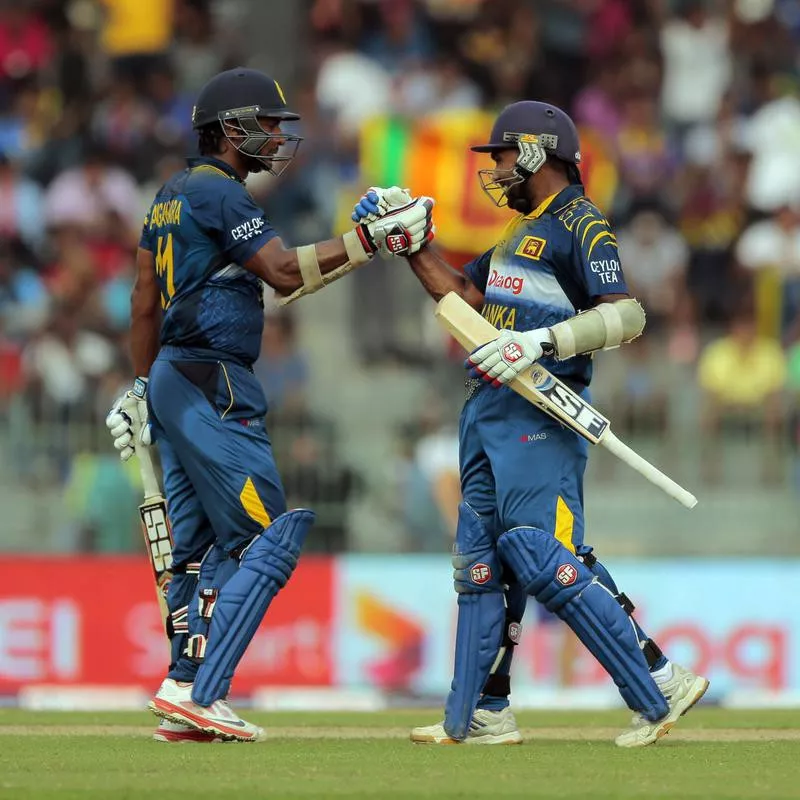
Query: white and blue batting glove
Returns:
{"type": "Point", "coordinates": [512, 352]}
{"type": "Point", "coordinates": [376, 202]}
{"type": "Point", "coordinates": [129, 421]}
{"type": "Point", "coordinates": [400, 231]}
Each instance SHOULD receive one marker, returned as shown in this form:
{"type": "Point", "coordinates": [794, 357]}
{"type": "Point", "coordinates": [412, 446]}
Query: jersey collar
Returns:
{"type": "Point", "coordinates": [210, 161]}
{"type": "Point", "coordinates": [558, 200]}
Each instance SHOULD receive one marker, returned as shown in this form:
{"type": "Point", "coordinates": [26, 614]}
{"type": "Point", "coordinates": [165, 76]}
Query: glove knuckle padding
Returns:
{"type": "Point", "coordinates": [265, 567]}
{"type": "Point", "coordinates": [569, 589]}
{"type": "Point", "coordinates": [477, 577]}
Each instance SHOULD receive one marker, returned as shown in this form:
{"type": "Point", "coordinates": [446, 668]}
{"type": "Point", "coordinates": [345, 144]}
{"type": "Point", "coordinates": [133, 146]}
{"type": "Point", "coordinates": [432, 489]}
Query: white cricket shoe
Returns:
{"type": "Point", "coordinates": [487, 727]}
{"type": "Point", "coordinates": [177, 733]}
{"type": "Point", "coordinates": [682, 691]}
{"type": "Point", "coordinates": [173, 702]}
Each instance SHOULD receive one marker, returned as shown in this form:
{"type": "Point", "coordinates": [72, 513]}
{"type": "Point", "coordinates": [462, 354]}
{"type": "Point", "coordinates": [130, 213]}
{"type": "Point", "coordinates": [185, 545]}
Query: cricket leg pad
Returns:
{"type": "Point", "coordinates": [477, 572]}
{"type": "Point", "coordinates": [264, 568]}
{"type": "Point", "coordinates": [652, 652]}
{"type": "Point", "coordinates": [568, 588]}
{"type": "Point", "coordinates": [497, 688]}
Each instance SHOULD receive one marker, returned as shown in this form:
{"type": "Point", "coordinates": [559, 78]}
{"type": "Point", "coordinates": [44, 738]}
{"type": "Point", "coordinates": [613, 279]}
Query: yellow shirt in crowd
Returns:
{"type": "Point", "coordinates": [742, 376]}
{"type": "Point", "coordinates": [137, 26]}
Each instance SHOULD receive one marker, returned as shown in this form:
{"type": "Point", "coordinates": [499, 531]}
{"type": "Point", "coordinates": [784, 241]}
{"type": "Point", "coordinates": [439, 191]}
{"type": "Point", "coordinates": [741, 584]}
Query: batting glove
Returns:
{"type": "Point", "coordinates": [400, 231]}
{"type": "Point", "coordinates": [128, 421]}
{"type": "Point", "coordinates": [505, 357]}
{"type": "Point", "coordinates": [376, 202]}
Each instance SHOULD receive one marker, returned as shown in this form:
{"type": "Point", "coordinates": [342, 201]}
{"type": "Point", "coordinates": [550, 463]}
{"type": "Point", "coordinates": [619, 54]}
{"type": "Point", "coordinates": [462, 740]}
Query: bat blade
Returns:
{"type": "Point", "coordinates": [156, 530]}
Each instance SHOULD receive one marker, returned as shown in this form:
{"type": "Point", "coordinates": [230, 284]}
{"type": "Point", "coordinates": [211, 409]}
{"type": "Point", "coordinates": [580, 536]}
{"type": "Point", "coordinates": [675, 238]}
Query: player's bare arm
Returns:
{"type": "Point", "coordinates": [298, 271]}
{"type": "Point", "coordinates": [145, 314]}
{"type": "Point", "coordinates": [438, 278]}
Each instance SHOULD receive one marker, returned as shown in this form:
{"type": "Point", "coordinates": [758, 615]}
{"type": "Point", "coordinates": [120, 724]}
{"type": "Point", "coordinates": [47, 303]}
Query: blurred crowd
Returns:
{"type": "Point", "coordinates": [690, 110]}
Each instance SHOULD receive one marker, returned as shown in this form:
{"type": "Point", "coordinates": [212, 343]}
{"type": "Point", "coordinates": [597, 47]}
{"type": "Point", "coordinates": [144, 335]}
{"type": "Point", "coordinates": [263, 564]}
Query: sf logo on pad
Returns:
{"type": "Point", "coordinates": [480, 573]}
{"type": "Point", "coordinates": [512, 352]}
{"type": "Point", "coordinates": [566, 574]}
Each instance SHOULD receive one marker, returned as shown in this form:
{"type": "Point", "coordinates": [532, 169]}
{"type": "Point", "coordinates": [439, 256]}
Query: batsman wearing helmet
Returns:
{"type": "Point", "coordinates": [554, 287]}
{"type": "Point", "coordinates": [197, 318]}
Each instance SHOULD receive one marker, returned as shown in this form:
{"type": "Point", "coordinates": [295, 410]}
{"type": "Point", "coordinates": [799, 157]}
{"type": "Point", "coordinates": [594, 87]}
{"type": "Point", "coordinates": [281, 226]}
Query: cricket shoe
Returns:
{"type": "Point", "coordinates": [681, 691]}
{"type": "Point", "coordinates": [178, 733]}
{"type": "Point", "coordinates": [487, 727]}
{"type": "Point", "coordinates": [173, 702]}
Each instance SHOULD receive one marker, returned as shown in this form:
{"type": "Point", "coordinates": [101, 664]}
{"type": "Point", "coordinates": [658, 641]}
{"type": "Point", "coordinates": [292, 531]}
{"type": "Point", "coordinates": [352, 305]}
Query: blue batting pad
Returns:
{"type": "Point", "coordinates": [568, 588]}
{"type": "Point", "coordinates": [477, 576]}
{"type": "Point", "coordinates": [264, 569]}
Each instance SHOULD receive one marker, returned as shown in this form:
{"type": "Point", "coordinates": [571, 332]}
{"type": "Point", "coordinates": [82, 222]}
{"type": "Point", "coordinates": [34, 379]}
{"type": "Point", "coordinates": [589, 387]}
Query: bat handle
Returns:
{"type": "Point", "coordinates": [645, 468]}
{"type": "Point", "coordinates": [148, 472]}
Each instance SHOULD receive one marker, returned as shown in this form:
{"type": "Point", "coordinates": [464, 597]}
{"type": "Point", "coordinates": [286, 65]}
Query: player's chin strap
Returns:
{"type": "Point", "coordinates": [313, 279]}
{"type": "Point", "coordinates": [603, 327]}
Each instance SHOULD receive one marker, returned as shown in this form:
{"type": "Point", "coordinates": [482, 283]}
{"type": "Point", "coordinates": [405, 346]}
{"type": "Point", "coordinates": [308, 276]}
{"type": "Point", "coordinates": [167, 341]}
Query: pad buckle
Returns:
{"type": "Point", "coordinates": [196, 647]}
{"type": "Point", "coordinates": [207, 599]}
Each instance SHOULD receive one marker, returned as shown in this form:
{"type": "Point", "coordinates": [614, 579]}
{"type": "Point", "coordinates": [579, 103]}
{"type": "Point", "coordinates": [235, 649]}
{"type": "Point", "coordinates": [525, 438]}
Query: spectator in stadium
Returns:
{"type": "Point", "coordinates": [742, 375]}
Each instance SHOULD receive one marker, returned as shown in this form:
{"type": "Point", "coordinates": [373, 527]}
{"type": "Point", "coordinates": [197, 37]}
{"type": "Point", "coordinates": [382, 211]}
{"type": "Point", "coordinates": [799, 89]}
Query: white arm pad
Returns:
{"type": "Point", "coordinates": [313, 279]}
{"type": "Point", "coordinates": [603, 327]}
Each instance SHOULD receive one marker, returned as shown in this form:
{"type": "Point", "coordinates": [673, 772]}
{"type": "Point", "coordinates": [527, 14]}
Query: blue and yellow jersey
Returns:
{"type": "Point", "coordinates": [547, 267]}
{"type": "Point", "coordinates": [201, 228]}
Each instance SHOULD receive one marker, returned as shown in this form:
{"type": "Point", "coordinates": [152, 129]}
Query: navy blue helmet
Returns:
{"type": "Point", "coordinates": [537, 130]}
{"type": "Point", "coordinates": [237, 99]}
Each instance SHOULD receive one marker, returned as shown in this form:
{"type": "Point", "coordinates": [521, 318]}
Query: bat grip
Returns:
{"type": "Point", "coordinates": [148, 472]}
{"type": "Point", "coordinates": [645, 468]}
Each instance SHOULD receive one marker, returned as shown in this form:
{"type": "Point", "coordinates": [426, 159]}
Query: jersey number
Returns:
{"type": "Point", "coordinates": [165, 267]}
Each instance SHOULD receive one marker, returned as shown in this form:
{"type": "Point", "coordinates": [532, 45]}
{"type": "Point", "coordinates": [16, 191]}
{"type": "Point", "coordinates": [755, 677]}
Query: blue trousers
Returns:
{"type": "Point", "coordinates": [220, 478]}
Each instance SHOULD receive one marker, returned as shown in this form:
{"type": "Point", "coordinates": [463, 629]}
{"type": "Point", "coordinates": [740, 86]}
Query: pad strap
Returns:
{"type": "Point", "coordinates": [603, 327]}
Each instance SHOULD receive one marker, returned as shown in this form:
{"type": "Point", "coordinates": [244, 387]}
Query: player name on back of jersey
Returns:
{"type": "Point", "coordinates": [166, 213]}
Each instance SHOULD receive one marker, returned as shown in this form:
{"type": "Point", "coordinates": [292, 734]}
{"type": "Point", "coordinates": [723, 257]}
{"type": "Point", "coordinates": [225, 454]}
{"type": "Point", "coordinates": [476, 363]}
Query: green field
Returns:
{"type": "Point", "coordinates": [712, 753]}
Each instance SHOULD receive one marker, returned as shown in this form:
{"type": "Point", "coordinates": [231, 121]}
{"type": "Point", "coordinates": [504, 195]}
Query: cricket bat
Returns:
{"type": "Point", "coordinates": [552, 396]}
{"type": "Point", "coordinates": [156, 529]}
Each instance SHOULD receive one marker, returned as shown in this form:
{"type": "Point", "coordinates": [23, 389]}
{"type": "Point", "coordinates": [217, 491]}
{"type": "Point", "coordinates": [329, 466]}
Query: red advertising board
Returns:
{"type": "Point", "coordinates": [94, 620]}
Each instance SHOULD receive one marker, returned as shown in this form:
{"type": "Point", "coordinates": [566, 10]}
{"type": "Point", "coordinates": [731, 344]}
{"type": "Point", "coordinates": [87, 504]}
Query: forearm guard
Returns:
{"type": "Point", "coordinates": [603, 327]}
{"type": "Point", "coordinates": [313, 279]}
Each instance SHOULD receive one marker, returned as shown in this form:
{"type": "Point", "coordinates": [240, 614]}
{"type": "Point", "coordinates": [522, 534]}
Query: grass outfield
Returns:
{"type": "Point", "coordinates": [712, 753]}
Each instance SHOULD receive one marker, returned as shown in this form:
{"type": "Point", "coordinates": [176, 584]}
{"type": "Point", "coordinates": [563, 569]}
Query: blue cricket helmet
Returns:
{"type": "Point", "coordinates": [536, 130]}
{"type": "Point", "coordinates": [555, 131]}
{"type": "Point", "coordinates": [236, 99]}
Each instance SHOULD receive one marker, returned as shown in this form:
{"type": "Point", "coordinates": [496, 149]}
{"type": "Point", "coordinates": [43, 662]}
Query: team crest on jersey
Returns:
{"type": "Point", "coordinates": [531, 247]}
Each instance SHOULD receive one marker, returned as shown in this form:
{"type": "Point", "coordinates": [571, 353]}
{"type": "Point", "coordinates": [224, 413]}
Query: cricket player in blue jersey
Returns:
{"type": "Point", "coordinates": [554, 287]}
{"type": "Point", "coordinates": [197, 318]}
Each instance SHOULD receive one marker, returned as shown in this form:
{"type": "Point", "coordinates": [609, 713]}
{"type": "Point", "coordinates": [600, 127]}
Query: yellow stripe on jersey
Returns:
{"type": "Point", "coordinates": [252, 504]}
{"type": "Point", "coordinates": [212, 168]}
{"type": "Point", "coordinates": [230, 390]}
{"type": "Point", "coordinates": [586, 229]}
{"type": "Point", "coordinates": [565, 522]}
{"type": "Point", "coordinates": [541, 208]}
{"type": "Point", "coordinates": [611, 240]}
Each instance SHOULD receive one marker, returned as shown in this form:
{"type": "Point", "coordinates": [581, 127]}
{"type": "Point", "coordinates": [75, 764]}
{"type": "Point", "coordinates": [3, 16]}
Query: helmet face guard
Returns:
{"type": "Point", "coordinates": [532, 153]}
{"type": "Point", "coordinates": [243, 130]}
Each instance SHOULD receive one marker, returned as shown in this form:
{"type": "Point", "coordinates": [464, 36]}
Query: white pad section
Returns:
{"type": "Point", "coordinates": [603, 327]}
{"type": "Point", "coordinates": [356, 256]}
